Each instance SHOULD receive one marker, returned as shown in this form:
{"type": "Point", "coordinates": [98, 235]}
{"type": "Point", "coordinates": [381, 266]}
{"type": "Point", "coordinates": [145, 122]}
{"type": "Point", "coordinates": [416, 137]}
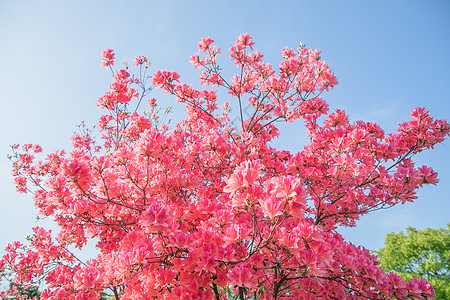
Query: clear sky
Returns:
{"type": "Point", "coordinates": [389, 56]}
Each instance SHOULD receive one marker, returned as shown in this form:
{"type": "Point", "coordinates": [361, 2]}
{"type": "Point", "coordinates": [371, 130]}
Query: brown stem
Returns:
{"type": "Point", "coordinates": [216, 291]}
{"type": "Point", "coordinates": [241, 293]}
{"type": "Point", "coordinates": [277, 286]}
{"type": "Point", "coordinates": [116, 294]}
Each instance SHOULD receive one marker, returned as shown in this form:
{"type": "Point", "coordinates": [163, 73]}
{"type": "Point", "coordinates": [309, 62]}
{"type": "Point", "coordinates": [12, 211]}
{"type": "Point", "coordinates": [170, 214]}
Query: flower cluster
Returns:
{"type": "Point", "coordinates": [108, 57]}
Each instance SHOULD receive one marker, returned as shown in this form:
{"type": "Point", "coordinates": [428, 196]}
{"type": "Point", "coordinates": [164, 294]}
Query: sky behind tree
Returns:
{"type": "Point", "coordinates": [389, 57]}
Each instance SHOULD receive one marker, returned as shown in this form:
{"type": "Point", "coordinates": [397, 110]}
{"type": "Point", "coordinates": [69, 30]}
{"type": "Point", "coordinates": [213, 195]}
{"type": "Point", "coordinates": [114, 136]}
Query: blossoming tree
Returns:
{"type": "Point", "coordinates": [209, 209]}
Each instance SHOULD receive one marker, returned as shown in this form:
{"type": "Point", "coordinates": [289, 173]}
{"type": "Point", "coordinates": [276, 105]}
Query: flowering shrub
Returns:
{"type": "Point", "coordinates": [209, 209]}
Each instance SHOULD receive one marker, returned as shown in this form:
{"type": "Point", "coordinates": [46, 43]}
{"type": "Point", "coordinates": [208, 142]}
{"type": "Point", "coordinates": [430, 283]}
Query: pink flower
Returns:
{"type": "Point", "coordinates": [165, 79]}
{"type": "Point", "coordinates": [85, 279]}
{"type": "Point", "coordinates": [163, 277]}
{"type": "Point", "coordinates": [108, 57]}
{"type": "Point", "coordinates": [428, 175]}
{"type": "Point", "coordinates": [286, 187]}
{"type": "Point", "coordinates": [140, 60]}
{"type": "Point", "coordinates": [236, 233]}
{"type": "Point", "coordinates": [311, 260]}
{"type": "Point", "coordinates": [243, 176]}
{"type": "Point", "coordinates": [243, 41]}
{"type": "Point", "coordinates": [242, 276]}
{"type": "Point", "coordinates": [196, 61]}
{"type": "Point", "coordinates": [121, 74]}
{"type": "Point", "coordinates": [77, 170]}
{"type": "Point", "coordinates": [156, 217]}
{"type": "Point", "coordinates": [272, 207]}
{"type": "Point", "coordinates": [181, 240]}
{"type": "Point", "coordinates": [21, 184]}
{"type": "Point", "coordinates": [204, 44]}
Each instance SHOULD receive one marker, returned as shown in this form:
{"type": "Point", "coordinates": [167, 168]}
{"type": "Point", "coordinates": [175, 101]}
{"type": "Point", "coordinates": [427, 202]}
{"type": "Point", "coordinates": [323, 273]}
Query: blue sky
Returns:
{"type": "Point", "coordinates": [389, 56]}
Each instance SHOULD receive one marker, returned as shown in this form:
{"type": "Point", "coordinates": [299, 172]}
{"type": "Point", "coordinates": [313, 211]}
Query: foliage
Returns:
{"type": "Point", "coordinates": [420, 253]}
{"type": "Point", "coordinates": [24, 291]}
{"type": "Point", "coordinates": [210, 209]}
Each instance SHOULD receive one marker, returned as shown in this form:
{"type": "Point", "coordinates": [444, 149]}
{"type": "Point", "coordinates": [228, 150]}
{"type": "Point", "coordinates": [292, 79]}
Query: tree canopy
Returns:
{"type": "Point", "coordinates": [420, 253]}
{"type": "Point", "coordinates": [208, 208]}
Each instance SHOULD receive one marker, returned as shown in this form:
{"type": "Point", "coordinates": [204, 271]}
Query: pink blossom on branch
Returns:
{"type": "Point", "coordinates": [140, 60]}
{"type": "Point", "coordinates": [108, 57]}
{"type": "Point", "coordinates": [208, 208]}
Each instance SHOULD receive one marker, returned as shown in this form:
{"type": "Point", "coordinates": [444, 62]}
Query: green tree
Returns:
{"type": "Point", "coordinates": [27, 291]}
{"type": "Point", "coordinates": [422, 254]}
